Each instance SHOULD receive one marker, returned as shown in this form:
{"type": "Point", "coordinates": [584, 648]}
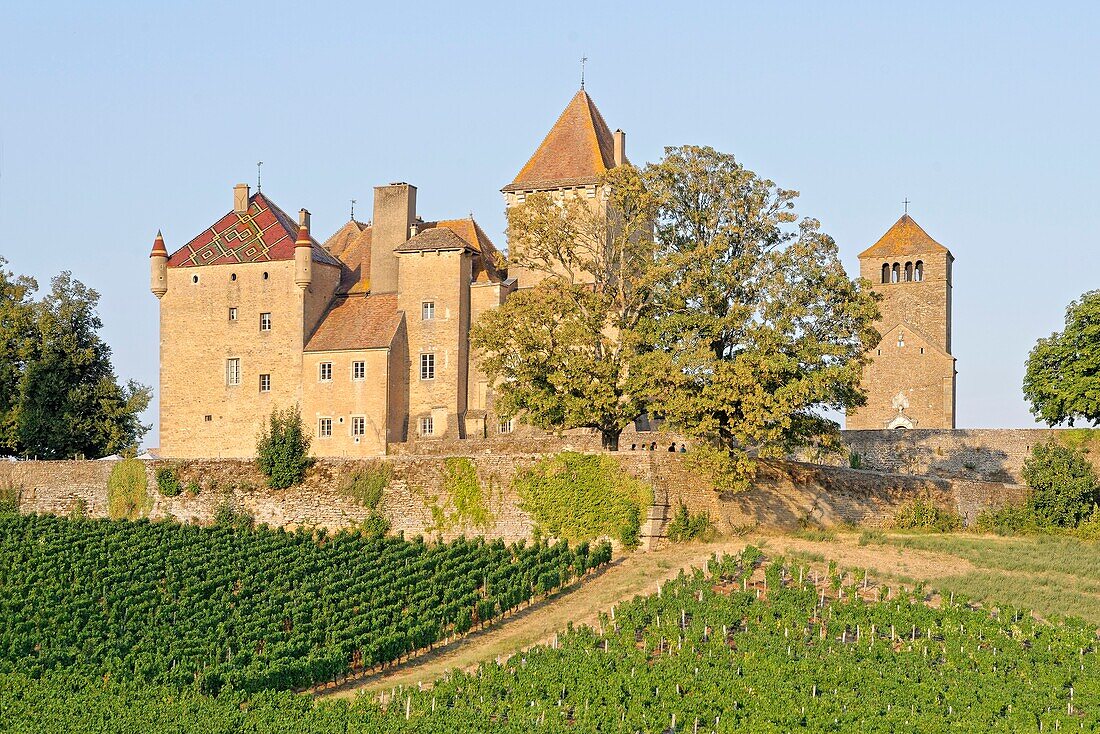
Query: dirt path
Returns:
{"type": "Point", "coordinates": [638, 574]}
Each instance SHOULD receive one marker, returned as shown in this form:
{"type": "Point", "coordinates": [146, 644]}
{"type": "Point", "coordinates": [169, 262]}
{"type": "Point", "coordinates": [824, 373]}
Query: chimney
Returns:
{"type": "Point", "coordinates": [240, 198]}
{"type": "Point", "coordinates": [394, 216]}
{"type": "Point", "coordinates": [620, 147]}
{"type": "Point", "coordinates": [303, 218]}
{"type": "Point", "coordinates": [414, 230]}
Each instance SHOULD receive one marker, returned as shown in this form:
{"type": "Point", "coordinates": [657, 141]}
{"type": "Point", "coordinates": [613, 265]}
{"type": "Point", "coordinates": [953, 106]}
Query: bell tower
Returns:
{"type": "Point", "coordinates": [910, 382]}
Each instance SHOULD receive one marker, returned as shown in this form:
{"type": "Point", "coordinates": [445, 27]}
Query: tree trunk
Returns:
{"type": "Point", "coordinates": [609, 439]}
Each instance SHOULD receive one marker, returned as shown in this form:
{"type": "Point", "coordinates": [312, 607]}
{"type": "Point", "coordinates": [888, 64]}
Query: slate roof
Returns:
{"type": "Point", "coordinates": [578, 149]}
{"type": "Point", "coordinates": [905, 238]}
{"type": "Point", "coordinates": [357, 322]}
{"type": "Point", "coordinates": [262, 234]}
{"type": "Point", "coordinates": [351, 246]}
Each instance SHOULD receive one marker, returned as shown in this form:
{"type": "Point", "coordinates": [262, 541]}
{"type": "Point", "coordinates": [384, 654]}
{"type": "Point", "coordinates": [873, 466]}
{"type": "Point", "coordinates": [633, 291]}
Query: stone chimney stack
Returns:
{"type": "Point", "coordinates": [303, 218]}
{"type": "Point", "coordinates": [620, 147]}
{"type": "Point", "coordinates": [394, 216]}
{"type": "Point", "coordinates": [240, 198]}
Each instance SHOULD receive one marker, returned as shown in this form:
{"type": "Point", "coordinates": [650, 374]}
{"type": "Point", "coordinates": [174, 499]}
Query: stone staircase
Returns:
{"type": "Point", "coordinates": [655, 523]}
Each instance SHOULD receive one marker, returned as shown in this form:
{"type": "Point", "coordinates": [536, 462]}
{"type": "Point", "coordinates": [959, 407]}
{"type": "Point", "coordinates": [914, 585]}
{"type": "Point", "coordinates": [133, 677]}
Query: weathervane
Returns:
{"type": "Point", "coordinates": [258, 164]}
{"type": "Point", "coordinates": [583, 59]}
{"type": "Point", "coordinates": [906, 203]}
{"type": "Point", "coordinates": [353, 210]}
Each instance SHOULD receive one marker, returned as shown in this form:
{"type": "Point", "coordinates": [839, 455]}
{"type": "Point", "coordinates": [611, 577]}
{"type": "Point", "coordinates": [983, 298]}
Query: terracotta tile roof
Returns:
{"type": "Point", "coordinates": [262, 234]}
{"type": "Point", "coordinates": [436, 238]}
{"type": "Point", "coordinates": [351, 246]}
{"type": "Point", "coordinates": [491, 266]}
{"type": "Point", "coordinates": [905, 238]}
{"type": "Point", "coordinates": [357, 322]}
{"type": "Point", "coordinates": [578, 149]}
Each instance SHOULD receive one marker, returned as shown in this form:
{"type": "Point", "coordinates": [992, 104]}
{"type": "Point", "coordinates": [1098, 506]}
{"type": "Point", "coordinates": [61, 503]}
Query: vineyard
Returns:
{"type": "Point", "coordinates": [248, 609]}
{"type": "Point", "coordinates": [723, 649]}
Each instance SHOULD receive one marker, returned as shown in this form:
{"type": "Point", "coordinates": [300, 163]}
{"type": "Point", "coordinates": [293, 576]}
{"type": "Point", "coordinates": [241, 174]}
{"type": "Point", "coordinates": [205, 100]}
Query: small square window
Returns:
{"type": "Point", "coordinates": [427, 366]}
{"type": "Point", "coordinates": [427, 426]}
{"type": "Point", "coordinates": [358, 370]}
{"type": "Point", "coordinates": [265, 383]}
{"type": "Point", "coordinates": [358, 425]}
{"type": "Point", "coordinates": [324, 428]}
{"type": "Point", "coordinates": [233, 371]}
{"type": "Point", "coordinates": [265, 322]}
{"type": "Point", "coordinates": [324, 372]}
{"type": "Point", "coordinates": [232, 314]}
{"type": "Point", "coordinates": [506, 425]}
{"type": "Point", "coordinates": [208, 418]}
{"type": "Point", "coordinates": [427, 310]}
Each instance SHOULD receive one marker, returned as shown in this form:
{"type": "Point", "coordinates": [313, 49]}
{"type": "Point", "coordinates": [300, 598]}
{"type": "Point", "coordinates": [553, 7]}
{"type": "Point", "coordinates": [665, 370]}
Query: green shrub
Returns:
{"type": "Point", "coordinates": [1064, 483]}
{"type": "Point", "coordinates": [581, 497]}
{"type": "Point", "coordinates": [282, 449]}
{"type": "Point", "coordinates": [128, 491]}
{"type": "Point", "coordinates": [168, 482]}
{"type": "Point", "coordinates": [10, 495]}
{"type": "Point", "coordinates": [229, 515]}
{"type": "Point", "coordinates": [855, 461]}
{"type": "Point", "coordinates": [921, 513]}
{"type": "Point", "coordinates": [193, 488]}
{"type": "Point", "coordinates": [686, 526]}
{"type": "Point", "coordinates": [366, 485]}
{"type": "Point", "coordinates": [375, 526]}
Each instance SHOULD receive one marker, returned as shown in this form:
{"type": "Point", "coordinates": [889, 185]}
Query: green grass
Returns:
{"type": "Point", "coordinates": [1037, 554]}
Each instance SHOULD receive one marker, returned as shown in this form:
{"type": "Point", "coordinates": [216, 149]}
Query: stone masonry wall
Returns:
{"type": "Point", "coordinates": [786, 494]}
{"type": "Point", "coordinates": [995, 455]}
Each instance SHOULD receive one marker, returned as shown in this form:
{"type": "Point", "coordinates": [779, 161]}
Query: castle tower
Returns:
{"type": "Point", "coordinates": [910, 382]}
{"type": "Point", "coordinates": [577, 151]}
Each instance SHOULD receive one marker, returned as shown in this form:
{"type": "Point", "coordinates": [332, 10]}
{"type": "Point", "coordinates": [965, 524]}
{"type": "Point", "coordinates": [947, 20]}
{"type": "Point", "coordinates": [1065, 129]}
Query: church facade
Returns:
{"type": "Point", "coordinates": [367, 332]}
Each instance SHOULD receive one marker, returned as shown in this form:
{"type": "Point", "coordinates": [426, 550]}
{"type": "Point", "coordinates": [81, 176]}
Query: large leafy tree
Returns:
{"type": "Point", "coordinates": [1062, 381]}
{"type": "Point", "coordinates": [61, 395]}
{"type": "Point", "coordinates": [563, 352]}
{"type": "Point", "coordinates": [756, 328]}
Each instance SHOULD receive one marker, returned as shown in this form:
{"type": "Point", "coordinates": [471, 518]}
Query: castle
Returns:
{"type": "Point", "coordinates": [367, 332]}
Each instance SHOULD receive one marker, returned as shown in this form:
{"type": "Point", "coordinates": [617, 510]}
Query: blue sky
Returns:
{"type": "Point", "coordinates": [117, 119]}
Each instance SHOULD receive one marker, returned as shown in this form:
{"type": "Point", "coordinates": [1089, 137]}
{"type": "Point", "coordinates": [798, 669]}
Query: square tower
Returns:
{"type": "Point", "coordinates": [910, 382]}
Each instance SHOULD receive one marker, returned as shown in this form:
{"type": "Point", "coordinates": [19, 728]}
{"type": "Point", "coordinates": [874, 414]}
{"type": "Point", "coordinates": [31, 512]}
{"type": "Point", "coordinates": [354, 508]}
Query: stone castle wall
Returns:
{"type": "Point", "coordinates": [785, 495]}
{"type": "Point", "coordinates": [995, 455]}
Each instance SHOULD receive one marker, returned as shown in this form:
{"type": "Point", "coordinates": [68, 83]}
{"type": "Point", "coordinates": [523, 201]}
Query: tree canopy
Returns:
{"type": "Point", "coordinates": [1062, 381]}
{"type": "Point", "coordinates": [59, 396]}
{"type": "Point", "coordinates": [697, 294]}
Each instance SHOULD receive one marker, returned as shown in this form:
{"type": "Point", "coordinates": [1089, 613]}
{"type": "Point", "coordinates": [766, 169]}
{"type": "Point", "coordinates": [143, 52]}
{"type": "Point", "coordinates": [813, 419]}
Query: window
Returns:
{"type": "Point", "coordinates": [895, 273]}
{"type": "Point", "coordinates": [427, 366]}
{"type": "Point", "coordinates": [908, 272]}
{"type": "Point", "coordinates": [324, 372]}
{"type": "Point", "coordinates": [358, 425]}
{"type": "Point", "coordinates": [506, 425]}
{"type": "Point", "coordinates": [232, 314]}
{"type": "Point", "coordinates": [232, 276]}
{"type": "Point", "coordinates": [918, 273]}
{"type": "Point", "coordinates": [427, 426]}
{"type": "Point", "coordinates": [208, 418]}
{"type": "Point", "coordinates": [358, 370]}
{"type": "Point", "coordinates": [265, 383]}
{"type": "Point", "coordinates": [194, 279]}
{"type": "Point", "coordinates": [901, 338]}
{"type": "Point", "coordinates": [324, 428]}
{"type": "Point", "coordinates": [233, 371]}
{"type": "Point", "coordinates": [427, 310]}
{"type": "Point", "coordinates": [265, 322]}
{"type": "Point", "coordinates": [886, 272]}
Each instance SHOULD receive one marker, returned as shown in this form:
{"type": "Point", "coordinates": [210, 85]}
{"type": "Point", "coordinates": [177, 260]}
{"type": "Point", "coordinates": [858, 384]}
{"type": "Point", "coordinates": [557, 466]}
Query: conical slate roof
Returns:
{"type": "Point", "coordinates": [577, 150]}
{"type": "Point", "coordinates": [905, 238]}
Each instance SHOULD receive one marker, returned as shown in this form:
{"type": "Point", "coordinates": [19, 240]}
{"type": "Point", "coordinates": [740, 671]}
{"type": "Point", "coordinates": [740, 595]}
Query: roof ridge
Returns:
{"type": "Point", "coordinates": [579, 145]}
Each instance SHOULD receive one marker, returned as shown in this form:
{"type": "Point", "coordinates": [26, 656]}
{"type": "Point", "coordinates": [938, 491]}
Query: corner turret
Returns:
{"type": "Point", "coordinates": [158, 267]}
{"type": "Point", "coordinates": [303, 253]}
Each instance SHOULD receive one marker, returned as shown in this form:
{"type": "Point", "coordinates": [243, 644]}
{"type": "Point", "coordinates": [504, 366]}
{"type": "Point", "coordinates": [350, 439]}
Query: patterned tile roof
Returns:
{"type": "Point", "coordinates": [351, 246]}
{"type": "Point", "coordinates": [577, 150]}
{"type": "Point", "coordinates": [905, 238]}
{"type": "Point", "coordinates": [357, 322]}
{"type": "Point", "coordinates": [262, 234]}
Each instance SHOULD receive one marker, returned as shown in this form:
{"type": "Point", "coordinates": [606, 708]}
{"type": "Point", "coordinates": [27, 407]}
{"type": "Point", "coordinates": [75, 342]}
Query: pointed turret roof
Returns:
{"type": "Point", "coordinates": [578, 149]}
{"type": "Point", "coordinates": [158, 246]}
{"type": "Point", "coordinates": [906, 237]}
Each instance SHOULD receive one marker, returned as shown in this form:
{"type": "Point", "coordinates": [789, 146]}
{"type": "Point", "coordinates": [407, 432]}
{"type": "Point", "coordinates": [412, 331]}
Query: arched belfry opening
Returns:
{"type": "Point", "coordinates": [908, 272]}
{"type": "Point", "coordinates": [895, 273]}
{"type": "Point", "coordinates": [918, 273]}
{"type": "Point", "coordinates": [886, 272]}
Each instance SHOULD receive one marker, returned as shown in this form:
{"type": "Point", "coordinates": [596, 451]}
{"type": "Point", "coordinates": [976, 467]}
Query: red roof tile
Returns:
{"type": "Point", "coordinates": [578, 149]}
{"type": "Point", "coordinates": [262, 234]}
{"type": "Point", "coordinates": [357, 322]}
